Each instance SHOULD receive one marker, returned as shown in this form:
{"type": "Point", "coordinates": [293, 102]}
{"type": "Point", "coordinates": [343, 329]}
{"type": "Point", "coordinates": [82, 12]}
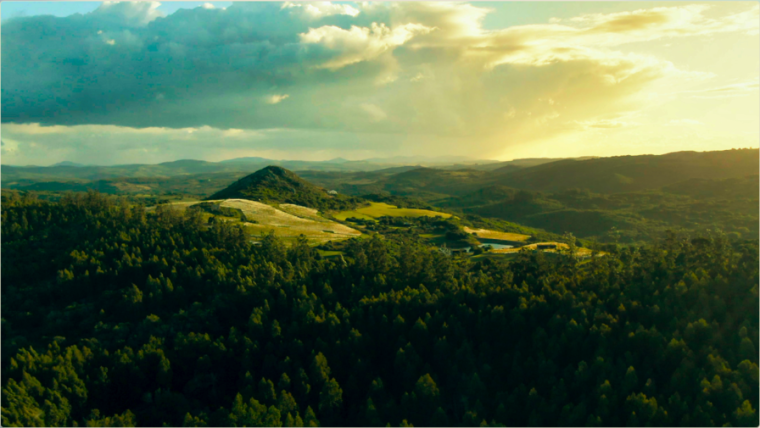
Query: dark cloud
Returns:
{"type": "Point", "coordinates": [125, 65]}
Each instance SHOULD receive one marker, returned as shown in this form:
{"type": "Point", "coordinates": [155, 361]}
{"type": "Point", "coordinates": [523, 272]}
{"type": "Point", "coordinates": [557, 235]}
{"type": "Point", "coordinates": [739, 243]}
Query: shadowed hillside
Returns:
{"type": "Point", "coordinates": [424, 183]}
{"type": "Point", "coordinates": [633, 173]}
{"type": "Point", "coordinates": [694, 205]}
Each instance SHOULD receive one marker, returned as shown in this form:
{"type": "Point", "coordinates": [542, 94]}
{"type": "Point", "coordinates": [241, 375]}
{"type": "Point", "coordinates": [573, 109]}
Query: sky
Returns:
{"type": "Point", "coordinates": [147, 82]}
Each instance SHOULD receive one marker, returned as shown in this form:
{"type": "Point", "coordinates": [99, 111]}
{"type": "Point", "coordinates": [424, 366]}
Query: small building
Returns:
{"type": "Point", "coordinates": [332, 192]}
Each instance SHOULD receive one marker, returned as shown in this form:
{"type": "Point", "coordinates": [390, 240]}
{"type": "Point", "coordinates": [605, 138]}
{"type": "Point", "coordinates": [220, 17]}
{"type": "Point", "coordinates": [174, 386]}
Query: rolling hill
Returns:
{"type": "Point", "coordinates": [276, 184]}
{"type": "Point", "coordinates": [632, 173]}
{"type": "Point", "coordinates": [421, 183]}
{"type": "Point", "coordinates": [693, 206]}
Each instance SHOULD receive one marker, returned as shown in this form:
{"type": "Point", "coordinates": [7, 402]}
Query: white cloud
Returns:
{"type": "Point", "coordinates": [41, 145]}
{"type": "Point", "coordinates": [275, 99]}
{"type": "Point", "coordinates": [234, 132]}
{"type": "Point", "coordinates": [685, 122]}
{"type": "Point", "coordinates": [605, 123]}
{"type": "Point", "coordinates": [417, 78]}
{"type": "Point", "coordinates": [130, 13]}
{"type": "Point", "coordinates": [376, 113]}
{"type": "Point", "coordinates": [321, 9]}
{"type": "Point", "coordinates": [739, 89]}
{"type": "Point", "coordinates": [8, 146]}
{"type": "Point", "coordinates": [360, 43]}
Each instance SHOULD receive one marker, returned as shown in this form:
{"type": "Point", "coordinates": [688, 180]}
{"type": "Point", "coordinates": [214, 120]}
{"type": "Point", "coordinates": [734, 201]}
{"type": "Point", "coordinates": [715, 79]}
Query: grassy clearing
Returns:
{"type": "Point", "coordinates": [262, 218]}
{"type": "Point", "coordinates": [492, 234]}
{"type": "Point", "coordinates": [303, 212]}
{"type": "Point", "coordinates": [381, 209]}
{"type": "Point", "coordinates": [560, 246]}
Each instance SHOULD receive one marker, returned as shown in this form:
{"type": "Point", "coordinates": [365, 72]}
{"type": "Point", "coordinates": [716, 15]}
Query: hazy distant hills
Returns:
{"type": "Point", "coordinates": [639, 196]}
{"type": "Point", "coordinates": [601, 175]}
{"type": "Point", "coordinates": [632, 173]}
{"type": "Point", "coordinates": [67, 163]}
{"type": "Point", "coordinates": [71, 171]}
{"type": "Point", "coordinates": [18, 176]}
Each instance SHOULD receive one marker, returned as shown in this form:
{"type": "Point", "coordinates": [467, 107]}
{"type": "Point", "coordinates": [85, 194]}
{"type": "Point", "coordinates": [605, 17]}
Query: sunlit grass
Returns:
{"type": "Point", "coordinates": [381, 209]}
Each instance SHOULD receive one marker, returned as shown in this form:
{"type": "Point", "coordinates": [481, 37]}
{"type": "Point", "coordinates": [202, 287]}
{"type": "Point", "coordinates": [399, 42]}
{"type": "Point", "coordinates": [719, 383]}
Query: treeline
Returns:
{"type": "Point", "coordinates": [113, 317]}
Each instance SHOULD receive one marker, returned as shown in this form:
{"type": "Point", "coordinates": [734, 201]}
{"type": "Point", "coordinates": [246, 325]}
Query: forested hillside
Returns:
{"type": "Point", "coordinates": [111, 316]}
{"type": "Point", "coordinates": [633, 173]}
{"type": "Point", "coordinates": [693, 206]}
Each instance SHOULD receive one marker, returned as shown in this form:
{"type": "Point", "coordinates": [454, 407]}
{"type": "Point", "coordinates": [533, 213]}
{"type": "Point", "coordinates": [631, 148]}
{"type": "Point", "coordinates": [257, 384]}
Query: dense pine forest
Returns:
{"type": "Point", "coordinates": [112, 316]}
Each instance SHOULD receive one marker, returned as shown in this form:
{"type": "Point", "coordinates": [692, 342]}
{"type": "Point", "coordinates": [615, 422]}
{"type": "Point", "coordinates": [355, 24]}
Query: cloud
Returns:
{"type": "Point", "coordinates": [8, 146]}
{"type": "Point", "coordinates": [360, 44]}
{"type": "Point", "coordinates": [408, 69]}
{"type": "Point", "coordinates": [605, 124]}
{"type": "Point", "coordinates": [127, 14]}
{"type": "Point", "coordinates": [26, 144]}
{"type": "Point", "coordinates": [274, 99]}
{"type": "Point", "coordinates": [685, 122]}
{"type": "Point", "coordinates": [375, 112]}
{"type": "Point", "coordinates": [740, 89]}
{"type": "Point", "coordinates": [320, 9]}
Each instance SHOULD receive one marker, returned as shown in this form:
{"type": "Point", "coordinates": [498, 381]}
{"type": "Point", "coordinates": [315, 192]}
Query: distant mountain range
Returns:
{"type": "Point", "coordinates": [67, 163]}
{"type": "Point", "coordinates": [641, 196]}
{"type": "Point", "coordinates": [601, 175]}
{"type": "Point", "coordinates": [68, 170]}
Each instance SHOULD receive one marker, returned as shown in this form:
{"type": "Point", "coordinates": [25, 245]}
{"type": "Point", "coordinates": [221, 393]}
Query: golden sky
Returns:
{"type": "Point", "coordinates": [133, 83]}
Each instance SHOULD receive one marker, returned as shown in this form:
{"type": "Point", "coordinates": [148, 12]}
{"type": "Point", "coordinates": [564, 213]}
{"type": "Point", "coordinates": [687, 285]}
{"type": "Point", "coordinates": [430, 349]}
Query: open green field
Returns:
{"type": "Point", "coordinates": [381, 209]}
{"type": "Point", "coordinates": [492, 234]}
{"type": "Point", "coordinates": [560, 246]}
{"type": "Point", "coordinates": [261, 218]}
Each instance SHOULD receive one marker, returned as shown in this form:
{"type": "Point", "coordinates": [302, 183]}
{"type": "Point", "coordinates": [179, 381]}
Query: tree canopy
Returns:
{"type": "Point", "coordinates": [115, 317]}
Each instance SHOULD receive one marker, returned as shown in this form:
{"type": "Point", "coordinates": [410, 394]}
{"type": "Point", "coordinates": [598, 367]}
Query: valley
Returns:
{"type": "Point", "coordinates": [626, 200]}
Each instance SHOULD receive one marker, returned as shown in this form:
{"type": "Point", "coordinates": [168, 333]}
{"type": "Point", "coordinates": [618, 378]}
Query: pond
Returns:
{"type": "Point", "coordinates": [498, 246]}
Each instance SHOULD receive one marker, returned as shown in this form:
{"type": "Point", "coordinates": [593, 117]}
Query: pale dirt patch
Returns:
{"type": "Point", "coordinates": [493, 234]}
